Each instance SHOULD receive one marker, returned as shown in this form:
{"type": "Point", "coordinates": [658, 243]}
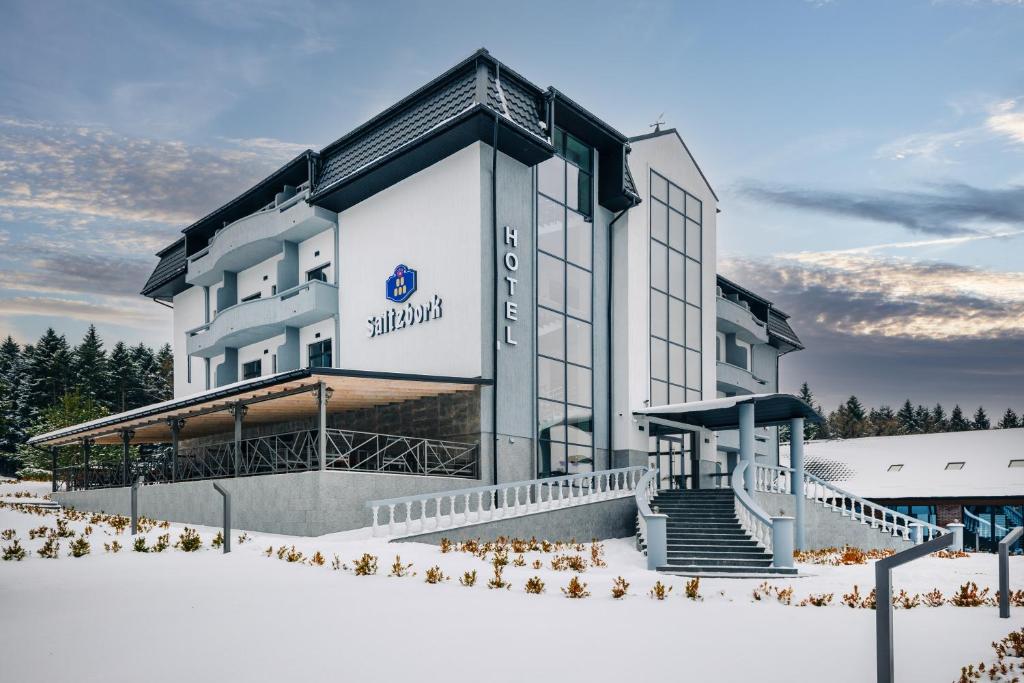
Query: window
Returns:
{"type": "Point", "coordinates": [320, 354]}
{"type": "Point", "coordinates": [252, 369]}
{"type": "Point", "coordinates": [954, 465]}
{"type": "Point", "coordinates": [318, 273]}
{"type": "Point", "coordinates": [252, 297]}
{"type": "Point", "coordinates": [1017, 463]}
{"type": "Point", "coordinates": [565, 301]}
{"type": "Point", "coordinates": [894, 468]}
{"type": "Point", "coordinates": [675, 293]}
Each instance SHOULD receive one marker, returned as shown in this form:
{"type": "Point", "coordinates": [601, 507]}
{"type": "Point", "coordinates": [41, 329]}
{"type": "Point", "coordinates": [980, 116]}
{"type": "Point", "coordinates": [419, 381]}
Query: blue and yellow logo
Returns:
{"type": "Point", "coordinates": [401, 285]}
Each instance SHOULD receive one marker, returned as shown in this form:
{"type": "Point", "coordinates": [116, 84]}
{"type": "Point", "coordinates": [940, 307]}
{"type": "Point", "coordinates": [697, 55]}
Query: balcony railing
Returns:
{"type": "Point", "coordinates": [734, 379]}
{"type": "Point", "coordinates": [735, 318]}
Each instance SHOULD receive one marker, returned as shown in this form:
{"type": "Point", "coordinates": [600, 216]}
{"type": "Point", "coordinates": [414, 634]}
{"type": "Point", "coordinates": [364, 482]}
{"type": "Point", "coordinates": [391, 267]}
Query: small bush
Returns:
{"type": "Point", "coordinates": [693, 589]}
{"type": "Point", "coordinates": [337, 564]}
{"type": "Point", "coordinates": [950, 554]}
{"type": "Point", "coordinates": [50, 549]}
{"type": "Point", "coordinates": [14, 551]}
{"type": "Point", "coordinates": [853, 556]}
{"type": "Point", "coordinates": [39, 532]}
{"type": "Point", "coordinates": [63, 531]}
{"type": "Point", "coordinates": [468, 579]}
{"type": "Point", "coordinates": [535, 586]}
{"type": "Point", "coordinates": [8, 534]}
{"type": "Point", "coordinates": [317, 559]}
{"type": "Point", "coordinates": [520, 561]}
{"type": "Point", "coordinates": [88, 530]}
{"type": "Point", "coordinates": [139, 545]}
{"type": "Point", "coordinates": [243, 538]}
{"type": "Point", "coordinates": [968, 595]}
{"type": "Point", "coordinates": [163, 542]}
{"type": "Point", "coordinates": [218, 540]}
{"type": "Point", "coordinates": [446, 545]}
{"type": "Point", "coordinates": [399, 569]}
{"type": "Point", "coordinates": [435, 575]}
{"type": "Point", "coordinates": [293, 555]}
{"type": "Point", "coordinates": [281, 552]}
{"type": "Point", "coordinates": [500, 558]}
{"type": "Point", "coordinates": [576, 589]}
{"type": "Point", "coordinates": [660, 591]}
{"type": "Point", "coordinates": [80, 547]}
{"type": "Point", "coordinates": [497, 581]}
{"type": "Point", "coordinates": [619, 587]}
{"type": "Point", "coordinates": [904, 600]}
{"type": "Point", "coordinates": [574, 563]}
{"type": "Point", "coordinates": [269, 551]}
{"type": "Point", "coordinates": [934, 598]}
{"type": "Point", "coordinates": [822, 600]}
{"type": "Point", "coordinates": [597, 555]}
{"type": "Point", "coordinates": [537, 564]}
{"type": "Point", "coordinates": [366, 565]}
{"type": "Point", "coordinates": [112, 547]}
{"type": "Point", "coordinates": [189, 541]}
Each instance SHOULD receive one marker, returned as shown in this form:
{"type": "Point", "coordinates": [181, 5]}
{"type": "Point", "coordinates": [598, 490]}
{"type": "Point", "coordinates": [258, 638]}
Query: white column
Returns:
{"type": "Point", "coordinates": [747, 444]}
{"type": "Point", "coordinates": [796, 461]}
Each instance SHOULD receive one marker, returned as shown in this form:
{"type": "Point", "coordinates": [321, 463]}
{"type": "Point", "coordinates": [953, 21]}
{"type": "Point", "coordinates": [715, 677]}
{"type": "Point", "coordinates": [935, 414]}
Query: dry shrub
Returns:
{"type": "Point", "coordinates": [293, 555]}
{"type": "Point", "coordinates": [269, 551]}
{"type": "Point", "coordinates": [500, 559]}
{"type": "Point", "coordinates": [934, 598]}
{"type": "Point", "coordinates": [619, 587]}
{"type": "Point", "coordinates": [446, 545]}
{"type": "Point", "coordinates": [8, 534]}
{"type": "Point", "coordinates": [14, 551]}
{"type": "Point", "coordinates": [365, 565]}
{"type": "Point", "coordinates": [139, 545]}
{"type": "Point", "coordinates": [692, 589]}
{"type": "Point", "coordinates": [337, 564]}
{"type": "Point", "coordinates": [659, 591]}
{"type": "Point", "coordinates": [597, 554]}
{"type": "Point", "coordinates": [163, 542]}
{"type": "Point", "coordinates": [519, 546]}
{"type": "Point", "coordinates": [520, 561]}
{"type": "Point", "coordinates": [79, 547]}
{"type": "Point", "coordinates": [39, 532]}
{"type": "Point", "coordinates": [853, 556]}
{"type": "Point", "coordinates": [49, 549]}
{"type": "Point", "coordinates": [243, 537]}
{"type": "Point", "coordinates": [950, 554]}
{"type": "Point", "coordinates": [537, 564]}
{"type": "Point", "coordinates": [398, 569]}
{"type": "Point", "coordinates": [546, 546]}
{"type": "Point", "coordinates": [218, 540]}
{"type": "Point", "coordinates": [576, 589]}
{"type": "Point", "coordinates": [497, 581]}
{"type": "Point", "coordinates": [468, 579]}
{"type": "Point", "coordinates": [574, 563]}
{"type": "Point", "coordinates": [112, 547]}
{"type": "Point", "coordinates": [766, 590]}
{"type": "Point", "coordinates": [435, 575]}
{"type": "Point", "coordinates": [317, 559]}
{"type": "Point", "coordinates": [189, 541]}
{"type": "Point", "coordinates": [535, 586]}
{"type": "Point", "coordinates": [471, 546]}
{"type": "Point", "coordinates": [822, 600]}
{"type": "Point", "coordinates": [904, 600]}
{"type": "Point", "coordinates": [968, 595]}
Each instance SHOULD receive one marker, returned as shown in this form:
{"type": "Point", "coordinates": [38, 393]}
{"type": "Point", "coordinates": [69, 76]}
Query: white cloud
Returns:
{"type": "Point", "coordinates": [1007, 119]}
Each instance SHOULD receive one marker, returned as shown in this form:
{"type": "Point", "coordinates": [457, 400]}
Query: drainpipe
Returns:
{"type": "Point", "coordinates": [611, 356]}
{"type": "Point", "coordinates": [494, 291]}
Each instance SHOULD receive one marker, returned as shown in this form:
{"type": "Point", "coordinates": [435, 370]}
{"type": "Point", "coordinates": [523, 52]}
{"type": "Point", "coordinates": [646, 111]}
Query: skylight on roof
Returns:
{"type": "Point", "coordinates": [1017, 463]}
{"type": "Point", "coordinates": [895, 468]}
{"type": "Point", "coordinates": [954, 465]}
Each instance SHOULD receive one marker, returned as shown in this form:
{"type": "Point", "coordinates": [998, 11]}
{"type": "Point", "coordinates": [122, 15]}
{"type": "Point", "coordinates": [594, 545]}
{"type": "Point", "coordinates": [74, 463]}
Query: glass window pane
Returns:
{"type": "Point", "coordinates": [693, 369]}
{"type": "Point", "coordinates": [676, 394]}
{"type": "Point", "coordinates": [675, 365]}
{"type": "Point", "coordinates": [693, 282]}
{"type": "Point", "coordinates": [693, 327]}
{"type": "Point", "coordinates": [577, 292]}
{"type": "Point", "coordinates": [550, 282]}
{"type": "Point", "coordinates": [659, 222]}
{"type": "Point", "coordinates": [659, 314]}
{"type": "Point", "coordinates": [675, 320]}
{"type": "Point", "coordinates": [676, 278]}
{"type": "Point", "coordinates": [580, 459]}
{"type": "Point", "coordinates": [659, 187]}
{"type": "Point", "coordinates": [659, 267]}
{"type": "Point", "coordinates": [577, 152]}
{"type": "Point", "coordinates": [551, 379]}
{"type": "Point", "coordinates": [580, 425]}
{"type": "Point", "coordinates": [676, 236]}
{"type": "Point", "coordinates": [550, 226]}
{"type": "Point", "coordinates": [551, 419]}
{"type": "Point", "coordinates": [580, 385]}
{"type": "Point", "coordinates": [572, 184]}
{"type": "Point", "coordinates": [551, 178]}
{"type": "Point", "coordinates": [550, 333]}
{"type": "Point", "coordinates": [659, 359]}
{"type": "Point", "coordinates": [693, 240]}
{"type": "Point", "coordinates": [585, 193]}
{"type": "Point", "coordinates": [659, 393]}
{"type": "Point", "coordinates": [579, 341]}
{"type": "Point", "coordinates": [578, 243]}
{"type": "Point", "coordinates": [693, 208]}
{"type": "Point", "coordinates": [552, 459]}
{"type": "Point", "coordinates": [675, 198]}
{"type": "Point", "coordinates": [692, 395]}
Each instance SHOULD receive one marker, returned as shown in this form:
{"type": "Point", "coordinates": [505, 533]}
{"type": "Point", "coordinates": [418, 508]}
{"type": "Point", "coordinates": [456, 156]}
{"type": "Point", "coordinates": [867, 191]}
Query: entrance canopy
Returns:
{"type": "Point", "coordinates": [276, 398]}
{"type": "Point", "coordinates": [724, 413]}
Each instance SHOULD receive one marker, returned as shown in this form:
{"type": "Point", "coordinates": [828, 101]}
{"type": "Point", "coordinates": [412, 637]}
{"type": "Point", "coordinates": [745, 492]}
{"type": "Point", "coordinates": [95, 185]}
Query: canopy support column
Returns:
{"type": "Point", "coordinates": [746, 414]}
{"type": "Point", "coordinates": [176, 425]}
{"type": "Point", "coordinates": [53, 466]}
{"type": "Point", "coordinates": [86, 448]}
{"type": "Point", "coordinates": [796, 462]}
{"type": "Point", "coordinates": [126, 444]}
{"type": "Point", "coordinates": [239, 411]}
{"type": "Point", "coordinates": [323, 395]}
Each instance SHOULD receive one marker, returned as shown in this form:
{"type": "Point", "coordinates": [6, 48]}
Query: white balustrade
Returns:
{"type": "Point", "coordinates": [753, 519]}
{"type": "Point", "coordinates": [481, 503]}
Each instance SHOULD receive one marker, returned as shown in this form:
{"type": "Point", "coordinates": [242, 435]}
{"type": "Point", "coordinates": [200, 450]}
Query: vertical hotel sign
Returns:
{"type": "Point", "coordinates": [511, 280]}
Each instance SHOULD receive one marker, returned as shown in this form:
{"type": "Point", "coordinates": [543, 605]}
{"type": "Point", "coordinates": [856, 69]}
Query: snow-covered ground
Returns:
{"type": "Point", "coordinates": [246, 617]}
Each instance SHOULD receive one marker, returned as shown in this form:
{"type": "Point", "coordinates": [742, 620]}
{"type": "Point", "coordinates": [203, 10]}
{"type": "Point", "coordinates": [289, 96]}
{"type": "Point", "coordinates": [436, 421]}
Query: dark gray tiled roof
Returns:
{"type": "Point", "coordinates": [524, 108]}
{"type": "Point", "coordinates": [778, 325]}
{"type": "Point", "coordinates": [630, 184]}
{"type": "Point", "coordinates": [172, 264]}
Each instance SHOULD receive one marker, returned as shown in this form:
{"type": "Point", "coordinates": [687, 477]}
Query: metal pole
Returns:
{"type": "Point", "coordinates": [321, 396]}
{"type": "Point", "coordinates": [126, 441]}
{"type": "Point", "coordinates": [227, 516]}
{"type": "Point", "coordinates": [796, 462]}
{"type": "Point", "coordinates": [239, 411]}
{"type": "Point", "coordinates": [1004, 571]}
{"type": "Point", "coordinates": [86, 452]}
{"type": "Point", "coordinates": [175, 424]}
{"type": "Point", "coordinates": [747, 444]}
{"type": "Point", "coordinates": [135, 505]}
{"type": "Point", "coordinates": [53, 464]}
{"type": "Point", "coordinates": [883, 601]}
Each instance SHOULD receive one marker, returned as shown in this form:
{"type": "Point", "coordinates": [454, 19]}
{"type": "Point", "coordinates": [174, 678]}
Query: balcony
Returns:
{"type": "Point", "coordinates": [257, 237]}
{"type": "Point", "coordinates": [735, 380]}
{"type": "Point", "coordinates": [737, 319]}
{"type": "Point", "coordinates": [253, 321]}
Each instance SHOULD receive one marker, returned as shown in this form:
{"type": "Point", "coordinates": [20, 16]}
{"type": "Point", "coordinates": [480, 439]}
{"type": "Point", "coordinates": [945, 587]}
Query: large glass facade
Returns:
{"type": "Point", "coordinates": [565, 246]}
{"type": "Point", "coordinates": [985, 525]}
{"type": "Point", "coordinates": [675, 299]}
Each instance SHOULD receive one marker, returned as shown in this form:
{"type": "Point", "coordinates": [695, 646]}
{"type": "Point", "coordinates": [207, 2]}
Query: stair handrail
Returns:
{"type": "Point", "coordinates": [652, 527]}
{"type": "Point", "coordinates": [978, 524]}
{"type": "Point", "coordinates": [855, 507]}
{"type": "Point", "coordinates": [753, 519]}
{"type": "Point", "coordinates": [500, 501]}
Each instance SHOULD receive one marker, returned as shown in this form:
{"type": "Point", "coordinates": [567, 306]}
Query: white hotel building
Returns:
{"type": "Point", "coordinates": [483, 282]}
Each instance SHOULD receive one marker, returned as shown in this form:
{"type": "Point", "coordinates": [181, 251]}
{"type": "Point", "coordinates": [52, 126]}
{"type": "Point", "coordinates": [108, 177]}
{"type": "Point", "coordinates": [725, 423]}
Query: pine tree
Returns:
{"type": "Point", "coordinates": [1009, 420]}
{"type": "Point", "coordinates": [47, 374]}
{"type": "Point", "coordinates": [165, 373]}
{"type": "Point", "coordinates": [123, 378]}
{"type": "Point", "coordinates": [957, 422]}
{"type": "Point", "coordinates": [11, 428]}
{"type": "Point", "coordinates": [90, 367]}
{"type": "Point", "coordinates": [849, 421]}
{"type": "Point", "coordinates": [906, 419]}
{"type": "Point", "coordinates": [981, 420]}
{"type": "Point", "coordinates": [923, 419]}
{"type": "Point", "coordinates": [71, 409]}
{"type": "Point", "coordinates": [883, 422]}
{"type": "Point", "coordinates": [938, 420]}
{"type": "Point", "coordinates": [148, 379]}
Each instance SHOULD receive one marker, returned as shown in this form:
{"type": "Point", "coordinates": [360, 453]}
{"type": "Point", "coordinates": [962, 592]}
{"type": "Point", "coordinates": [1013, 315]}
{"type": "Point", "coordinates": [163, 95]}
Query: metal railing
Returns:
{"type": "Point", "coordinates": [428, 512]}
{"type": "Point", "coordinates": [770, 479]}
{"type": "Point", "coordinates": [753, 519]}
{"type": "Point", "coordinates": [297, 451]}
{"type": "Point", "coordinates": [652, 527]}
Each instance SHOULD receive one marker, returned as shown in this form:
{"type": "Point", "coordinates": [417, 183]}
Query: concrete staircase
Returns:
{"type": "Point", "coordinates": [706, 539]}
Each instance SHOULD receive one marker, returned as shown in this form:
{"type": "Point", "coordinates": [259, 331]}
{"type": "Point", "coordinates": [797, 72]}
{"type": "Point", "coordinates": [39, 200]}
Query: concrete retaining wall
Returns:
{"type": "Point", "coordinates": [298, 504]}
{"type": "Point", "coordinates": [604, 519]}
{"type": "Point", "coordinates": [827, 529]}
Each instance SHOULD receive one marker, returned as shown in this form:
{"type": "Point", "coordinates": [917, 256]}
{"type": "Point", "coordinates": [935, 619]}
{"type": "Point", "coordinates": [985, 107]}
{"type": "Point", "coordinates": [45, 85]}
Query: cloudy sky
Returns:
{"type": "Point", "coordinates": [869, 155]}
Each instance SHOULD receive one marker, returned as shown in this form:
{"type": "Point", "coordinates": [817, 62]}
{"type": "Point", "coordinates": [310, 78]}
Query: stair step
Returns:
{"type": "Point", "coordinates": [693, 555]}
{"type": "Point", "coordinates": [720, 562]}
{"type": "Point", "coordinates": [739, 572]}
{"type": "Point", "coordinates": [706, 533]}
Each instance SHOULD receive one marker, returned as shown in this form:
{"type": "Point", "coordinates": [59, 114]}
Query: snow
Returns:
{"type": "Point", "coordinates": [986, 455]}
{"type": "Point", "coordinates": [242, 616]}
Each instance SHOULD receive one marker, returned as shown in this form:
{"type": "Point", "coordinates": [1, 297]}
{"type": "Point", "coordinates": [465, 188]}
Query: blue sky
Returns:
{"type": "Point", "coordinates": [868, 154]}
